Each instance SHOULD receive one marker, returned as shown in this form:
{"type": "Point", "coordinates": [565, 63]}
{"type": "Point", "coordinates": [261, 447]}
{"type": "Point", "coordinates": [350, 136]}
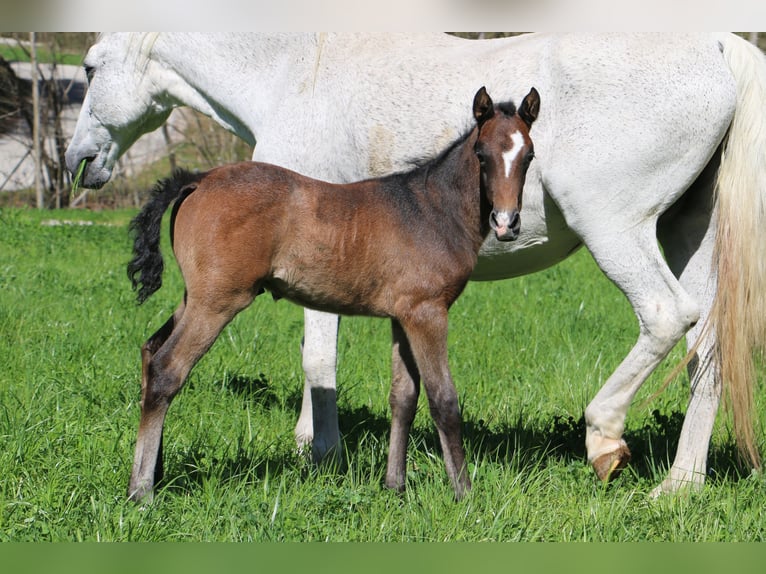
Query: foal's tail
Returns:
{"type": "Point", "coordinates": [145, 269]}
{"type": "Point", "coordinates": [739, 312]}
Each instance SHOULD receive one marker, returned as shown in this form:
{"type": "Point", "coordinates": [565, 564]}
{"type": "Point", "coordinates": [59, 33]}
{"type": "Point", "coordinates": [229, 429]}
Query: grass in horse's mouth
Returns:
{"type": "Point", "coordinates": [78, 176]}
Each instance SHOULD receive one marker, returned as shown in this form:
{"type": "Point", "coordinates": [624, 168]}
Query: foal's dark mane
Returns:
{"type": "Point", "coordinates": [424, 163]}
{"type": "Point", "coordinates": [408, 187]}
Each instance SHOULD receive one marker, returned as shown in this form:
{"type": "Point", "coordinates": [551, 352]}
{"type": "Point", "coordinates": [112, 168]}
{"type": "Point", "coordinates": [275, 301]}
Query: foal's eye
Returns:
{"type": "Point", "coordinates": [89, 72]}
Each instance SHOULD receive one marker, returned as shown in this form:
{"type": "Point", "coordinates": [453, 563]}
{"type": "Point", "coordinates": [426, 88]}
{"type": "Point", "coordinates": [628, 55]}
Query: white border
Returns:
{"type": "Point", "coordinates": [385, 15]}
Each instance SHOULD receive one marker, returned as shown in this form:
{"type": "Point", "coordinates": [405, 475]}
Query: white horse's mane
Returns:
{"type": "Point", "coordinates": [145, 44]}
{"type": "Point", "coordinates": [140, 46]}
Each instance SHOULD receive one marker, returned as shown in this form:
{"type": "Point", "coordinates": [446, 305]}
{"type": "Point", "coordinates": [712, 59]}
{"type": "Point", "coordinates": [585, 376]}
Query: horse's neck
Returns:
{"type": "Point", "coordinates": [452, 184]}
{"type": "Point", "coordinates": [232, 79]}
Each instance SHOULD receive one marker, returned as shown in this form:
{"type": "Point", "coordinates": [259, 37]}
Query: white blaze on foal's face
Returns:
{"type": "Point", "coordinates": [517, 144]}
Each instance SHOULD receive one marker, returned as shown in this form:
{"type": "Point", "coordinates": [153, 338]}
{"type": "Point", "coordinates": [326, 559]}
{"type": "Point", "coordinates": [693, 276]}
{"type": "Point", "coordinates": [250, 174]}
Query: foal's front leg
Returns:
{"type": "Point", "coordinates": [403, 399]}
{"type": "Point", "coordinates": [426, 330]}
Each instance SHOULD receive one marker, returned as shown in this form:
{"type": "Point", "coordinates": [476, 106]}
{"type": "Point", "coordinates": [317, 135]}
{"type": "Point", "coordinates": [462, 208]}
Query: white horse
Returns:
{"type": "Point", "coordinates": [641, 138]}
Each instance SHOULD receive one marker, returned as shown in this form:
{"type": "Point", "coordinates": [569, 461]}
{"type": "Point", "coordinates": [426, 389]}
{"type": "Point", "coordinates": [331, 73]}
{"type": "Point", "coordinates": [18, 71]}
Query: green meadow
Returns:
{"type": "Point", "coordinates": [526, 354]}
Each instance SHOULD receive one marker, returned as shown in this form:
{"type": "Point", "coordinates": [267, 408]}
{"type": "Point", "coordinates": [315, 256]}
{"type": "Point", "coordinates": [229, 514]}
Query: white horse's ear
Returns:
{"type": "Point", "coordinates": [483, 108]}
{"type": "Point", "coordinates": [530, 107]}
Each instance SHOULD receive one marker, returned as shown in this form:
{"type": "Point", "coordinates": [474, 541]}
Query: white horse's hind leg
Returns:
{"type": "Point", "coordinates": [632, 259]}
{"type": "Point", "coordinates": [688, 238]}
{"type": "Point", "coordinates": [318, 421]}
{"type": "Point", "coordinates": [689, 467]}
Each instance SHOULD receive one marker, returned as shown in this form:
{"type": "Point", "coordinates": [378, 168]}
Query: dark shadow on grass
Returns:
{"type": "Point", "coordinates": [258, 390]}
{"type": "Point", "coordinates": [254, 388]}
{"type": "Point", "coordinates": [189, 470]}
{"type": "Point", "coordinates": [653, 444]}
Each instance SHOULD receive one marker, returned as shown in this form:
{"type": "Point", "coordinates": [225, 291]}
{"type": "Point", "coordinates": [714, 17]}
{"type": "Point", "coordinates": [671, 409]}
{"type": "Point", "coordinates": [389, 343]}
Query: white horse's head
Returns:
{"type": "Point", "coordinates": [123, 102]}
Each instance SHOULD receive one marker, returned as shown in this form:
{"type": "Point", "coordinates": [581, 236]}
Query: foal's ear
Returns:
{"type": "Point", "coordinates": [530, 107]}
{"type": "Point", "coordinates": [483, 108]}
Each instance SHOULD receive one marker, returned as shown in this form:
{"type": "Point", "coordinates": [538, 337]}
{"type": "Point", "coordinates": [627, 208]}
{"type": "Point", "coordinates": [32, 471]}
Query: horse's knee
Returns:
{"type": "Point", "coordinates": [162, 384]}
{"type": "Point", "coordinates": [405, 383]}
{"type": "Point", "coordinates": [152, 345]}
{"type": "Point", "coordinates": [444, 406]}
{"type": "Point", "coordinates": [670, 320]}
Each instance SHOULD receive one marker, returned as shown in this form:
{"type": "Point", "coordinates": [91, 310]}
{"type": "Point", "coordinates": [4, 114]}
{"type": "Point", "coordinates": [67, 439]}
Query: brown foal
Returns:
{"type": "Point", "coordinates": [401, 246]}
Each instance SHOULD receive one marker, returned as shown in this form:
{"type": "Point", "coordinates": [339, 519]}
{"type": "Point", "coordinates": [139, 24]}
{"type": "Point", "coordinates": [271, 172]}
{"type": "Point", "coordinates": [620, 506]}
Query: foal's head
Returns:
{"type": "Point", "coordinates": [505, 151]}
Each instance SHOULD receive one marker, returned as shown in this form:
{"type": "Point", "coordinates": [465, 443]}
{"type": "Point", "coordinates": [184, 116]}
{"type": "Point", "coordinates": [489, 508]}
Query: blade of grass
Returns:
{"type": "Point", "coordinates": [78, 177]}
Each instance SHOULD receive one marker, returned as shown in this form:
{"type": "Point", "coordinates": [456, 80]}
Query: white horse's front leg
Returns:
{"type": "Point", "coordinates": [665, 312]}
{"type": "Point", "coordinates": [318, 421]}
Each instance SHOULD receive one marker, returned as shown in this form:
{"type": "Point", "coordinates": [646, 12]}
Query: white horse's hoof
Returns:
{"type": "Point", "coordinates": [608, 466]}
{"type": "Point", "coordinates": [677, 483]}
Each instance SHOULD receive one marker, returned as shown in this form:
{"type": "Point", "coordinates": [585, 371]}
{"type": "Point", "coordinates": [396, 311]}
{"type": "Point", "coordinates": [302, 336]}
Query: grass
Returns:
{"type": "Point", "coordinates": [526, 354]}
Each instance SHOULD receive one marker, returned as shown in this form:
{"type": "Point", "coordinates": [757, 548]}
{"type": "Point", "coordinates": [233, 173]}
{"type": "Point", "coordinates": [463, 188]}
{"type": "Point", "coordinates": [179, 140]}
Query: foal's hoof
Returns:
{"type": "Point", "coordinates": [395, 483]}
{"type": "Point", "coordinates": [609, 465]}
{"type": "Point", "coordinates": [462, 491]}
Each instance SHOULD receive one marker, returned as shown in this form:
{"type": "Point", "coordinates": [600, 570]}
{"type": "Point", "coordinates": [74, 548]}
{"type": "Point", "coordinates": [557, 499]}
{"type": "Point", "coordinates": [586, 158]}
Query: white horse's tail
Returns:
{"type": "Point", "coordinates": [739, 312]}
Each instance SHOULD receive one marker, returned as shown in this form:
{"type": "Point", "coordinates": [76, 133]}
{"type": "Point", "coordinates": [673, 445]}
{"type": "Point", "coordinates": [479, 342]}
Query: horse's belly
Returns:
{"type": "Point", "coordinates": [322, 288]}
{"type": "Point", "coordinates": [499, 260]}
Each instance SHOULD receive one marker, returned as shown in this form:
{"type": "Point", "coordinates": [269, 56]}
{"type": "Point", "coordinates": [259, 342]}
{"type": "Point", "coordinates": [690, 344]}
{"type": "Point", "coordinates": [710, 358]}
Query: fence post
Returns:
{"type": "Point", "coordinates": [36, 123]}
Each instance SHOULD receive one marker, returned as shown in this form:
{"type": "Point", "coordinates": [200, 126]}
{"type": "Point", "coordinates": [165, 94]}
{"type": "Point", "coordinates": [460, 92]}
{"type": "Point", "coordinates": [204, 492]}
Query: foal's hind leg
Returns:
{"type": "Point", "coordinates": [426, 330]}
{"type": "Point", "coordinates": [403, 399]}
{"type": "Point", "coordinates": [148, 349]}
{"type": "Point", "coordinates": [165, 373]}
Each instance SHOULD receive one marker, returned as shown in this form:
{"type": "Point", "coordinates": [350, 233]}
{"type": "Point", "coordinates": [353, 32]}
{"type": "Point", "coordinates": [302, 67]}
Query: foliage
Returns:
{"type": "Point", "coordinates": [526, 354]}
{"type": "Point", "coordinates": [59, 47]}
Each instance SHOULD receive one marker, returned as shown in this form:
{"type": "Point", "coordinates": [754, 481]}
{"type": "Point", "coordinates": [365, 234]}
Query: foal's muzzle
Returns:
{"type": "Point", "coordinates": [505, 224]}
